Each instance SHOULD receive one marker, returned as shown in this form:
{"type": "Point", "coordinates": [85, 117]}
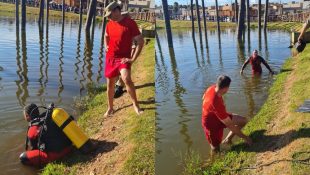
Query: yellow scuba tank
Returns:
{"type": "Point", "coordinates": [71, 130]}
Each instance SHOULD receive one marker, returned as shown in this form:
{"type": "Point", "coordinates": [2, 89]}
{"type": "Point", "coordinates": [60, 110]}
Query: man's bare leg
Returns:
{"type": "Point", "coordinates": [240, 122]}
{"type": "Point", "coordinates": [214, 151]}
{"type": "Point", "coordinates": [110, 94]}
{"type": "Point", "coordinates": [126, 76]}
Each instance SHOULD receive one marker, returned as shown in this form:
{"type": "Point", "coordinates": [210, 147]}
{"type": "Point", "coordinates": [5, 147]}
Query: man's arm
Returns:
{"type": "Point", "coordinates": [244, 64]}
{"type": "Point", "coordinates": [267, 65]}
{"type": "Point", "coordinates": [228, 122]}
{"type": "Point", "coordinates": [304, 29]}
{"type": "Point", "coordinates": [140, 43]}
{"type": "Point", "coordinates": [106, 40]}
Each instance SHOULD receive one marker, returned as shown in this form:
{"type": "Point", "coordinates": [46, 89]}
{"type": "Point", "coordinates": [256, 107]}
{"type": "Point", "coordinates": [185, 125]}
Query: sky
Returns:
{"type": "Point", "coordinates": [212, 2]}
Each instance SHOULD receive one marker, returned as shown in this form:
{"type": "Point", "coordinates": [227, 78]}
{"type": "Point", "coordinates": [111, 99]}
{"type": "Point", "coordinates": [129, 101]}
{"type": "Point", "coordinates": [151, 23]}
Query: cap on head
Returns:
{"type": "Point", "coordinates": [108, 10]}
{"type": "Point", "coordinates": [255, 51]}
{"type": "Point", "coordinates": [223, 81]}
{"type": "Point", "coordinates": [32, 110]}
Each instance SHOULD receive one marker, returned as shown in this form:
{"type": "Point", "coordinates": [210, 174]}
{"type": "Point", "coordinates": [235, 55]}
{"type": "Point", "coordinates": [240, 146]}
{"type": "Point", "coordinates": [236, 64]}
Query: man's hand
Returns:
{"type": "Point", "coordinates": [248, 140]}
{"type": "Point", "coordinates": [107, 48]}
{"type": "Point", "coordinates": [127, 60]}
{"type": "Point", "coordinates": [271, 72]}
{"type": "Point", "coordinates": [241, 72]}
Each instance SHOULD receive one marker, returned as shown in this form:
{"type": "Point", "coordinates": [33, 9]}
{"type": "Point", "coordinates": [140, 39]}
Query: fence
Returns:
{"type": "Point", "coordinates": [144, 16]}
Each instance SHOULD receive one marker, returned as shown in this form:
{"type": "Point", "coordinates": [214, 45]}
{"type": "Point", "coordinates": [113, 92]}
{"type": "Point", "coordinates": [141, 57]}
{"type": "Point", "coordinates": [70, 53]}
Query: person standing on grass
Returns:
{"type": "Point", "coordinates": [215, 118]}
{"type": "Point", "coordinates": [120, 32]}
{"type": "Point", "coordinates": [255, 60]}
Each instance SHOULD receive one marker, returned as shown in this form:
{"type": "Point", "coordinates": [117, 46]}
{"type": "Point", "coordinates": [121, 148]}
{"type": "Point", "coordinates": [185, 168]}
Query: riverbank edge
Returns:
{"type": "Point", "coordinates": [288, 26]}
{"type": "Point", "coordinates": [139, 131]}
{"type": "Point", "coordinates": [240, 159]}
{"type": "Point", "coordinates": [7, 9]}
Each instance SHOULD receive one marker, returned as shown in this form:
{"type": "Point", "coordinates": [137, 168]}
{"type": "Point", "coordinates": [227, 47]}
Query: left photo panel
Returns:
{"type": "Point", "coordinates": [77, 87]}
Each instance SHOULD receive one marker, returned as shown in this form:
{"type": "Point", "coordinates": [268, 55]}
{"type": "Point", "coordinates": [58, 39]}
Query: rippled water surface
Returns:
{"type": "Point", "coordinates": [184, 72]}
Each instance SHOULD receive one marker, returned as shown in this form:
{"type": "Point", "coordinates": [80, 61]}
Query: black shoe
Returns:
{"type": "Point", "coordinates": [118, 91]}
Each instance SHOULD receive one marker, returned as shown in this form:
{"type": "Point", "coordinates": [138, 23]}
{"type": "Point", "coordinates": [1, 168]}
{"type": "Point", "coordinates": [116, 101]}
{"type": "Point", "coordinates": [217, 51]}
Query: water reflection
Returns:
{"type": "Point", "coordinates": [61, 63]}
{"type": "Point", "coordinates": [23, 88]}
{"type": "Point", "coordinates": [266, 45]}
{"type": "Point", "coordinates": [101, 57]}
{"type": "Point", "coordinates": [251, 86]}
{"type": "Point", "coordinates": [19, 69]}
{"type": "Point", "coordinates": [178, 93]}
{"type": "Point", "coordinates": [46, 57]}
{"type": "Point", "coordinates": [41, 89]}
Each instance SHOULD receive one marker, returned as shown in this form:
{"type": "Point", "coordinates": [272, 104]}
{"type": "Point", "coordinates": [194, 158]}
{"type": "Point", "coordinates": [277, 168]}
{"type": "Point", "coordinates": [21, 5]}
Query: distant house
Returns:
{"type": "Point", "coordinates": [141, 5]}
{"type": "Point", "coordinates": [292, 7]}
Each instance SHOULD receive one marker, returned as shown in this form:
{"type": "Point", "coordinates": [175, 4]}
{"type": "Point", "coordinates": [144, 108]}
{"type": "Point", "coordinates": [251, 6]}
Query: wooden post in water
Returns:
{"type": "Point", "coordinates": [90, 14]}
{"type": "Point", "coordinates": [41, 13]}
{"type": "Point", "coordinates": [266, 15]}
{"type": "Point", "coordinates": [23, 15]}
{"type": "Point", "coordinates": [217, 16]}
{"type": "Point", "coordinates": [17, 13]}
{"type": "Point", "coordinates": [167, 22]}
{"type": "Point", "coordinates": [241, 19]}
{"type": "Point", "coordinates": [81, 16]}
{"type": "Point", "coordinates": [204, 20]}
{"type": "Point", "coordinates": [47, 10]}
{"type": "Point", "coordinates": [259, 15]}
{"type": "Point", "coordinates": [198, 18]}
{"type": "Point", "coordinates": [236, 11]}
{"type": "Point", "coordinates": [63, 11]}
{"type": "Point", "coordinates": [192, 18]}
{"type": "Point", "coordinates": [248, 15]}
{"type": "Point", "coordinates": [104, 22]}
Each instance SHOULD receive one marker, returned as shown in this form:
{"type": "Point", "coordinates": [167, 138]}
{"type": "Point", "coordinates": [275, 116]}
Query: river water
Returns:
{"type": "Point", "coordinates": [41, 67]}
{"type": "Point", "coordinates": [184, 72]}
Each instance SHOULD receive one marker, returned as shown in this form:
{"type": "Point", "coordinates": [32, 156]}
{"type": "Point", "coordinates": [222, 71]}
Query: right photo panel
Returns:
{"type": "Point", "coordinates": [232, 91]}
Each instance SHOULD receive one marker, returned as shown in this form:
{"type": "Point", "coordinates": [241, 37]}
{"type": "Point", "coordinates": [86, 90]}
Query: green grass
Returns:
{"type": "Point", "coordinates": [240, 155]}
{"type": "Point", "coordinates": [9, 10]}
{"type": "Point", "coordinates": [140, 130]}
{"type": "Point", "coordinates": [271, 25]}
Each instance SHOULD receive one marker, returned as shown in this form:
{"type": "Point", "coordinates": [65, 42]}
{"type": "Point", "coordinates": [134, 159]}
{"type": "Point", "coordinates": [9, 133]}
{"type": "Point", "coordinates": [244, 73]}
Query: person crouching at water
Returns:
{"type": "Point", "coordinates": [215, 118]}
{"type": "Point", "coordinates": [47, 141]}
{"type": "Point", "coordinates": [255, 60]}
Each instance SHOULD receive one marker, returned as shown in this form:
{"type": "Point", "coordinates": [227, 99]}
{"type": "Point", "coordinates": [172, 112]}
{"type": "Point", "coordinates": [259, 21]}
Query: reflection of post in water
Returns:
{"type": "Point", "coordinates": [41, 89]}
{"type": "Point", "coordinates": [196, 53]}
{"type": "Point", "coordinates": [163, 79]}
{"type": "Point", "coordinates": [46, 56]}
{"type": "Point", "coordinates": [61, 86]}
{"type": "Point", "coordinates": [19, 70]}
{"type": "Point", "coordinates": [266, 45]}
{"type": "Point", "coordinates": [240, 48]}
{"type": "Point", "coordinates": [178, 92]}
{"type": "Point", "coordinates": [259, 40]}
{"type": "Point", "coordinates": [24, 73]}
{"type": "Point", "coordinates": [78, 55]}
{"type": "Point", "coordinates": [208, 53]}
{"type": "Point", "coordinates": [220, 50]}
{"type": "Point", "coordinates": [80, 17]}
{"type": "Point", "coordinates": [93, 27]}
{"type": "Point", "coordinates": [100, 70]}
{"type": "Point", "coordinates": [249, 42]}
{"type": "Point", "coordinates": [88, 58]}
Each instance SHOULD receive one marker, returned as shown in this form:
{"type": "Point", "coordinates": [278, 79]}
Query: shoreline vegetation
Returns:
{"type": "Point", "coordinates": [125, 141]}
{"type": "Point", "coordinates": [288, 26]}
{"type": "Point", "coordinates": [280, 134]}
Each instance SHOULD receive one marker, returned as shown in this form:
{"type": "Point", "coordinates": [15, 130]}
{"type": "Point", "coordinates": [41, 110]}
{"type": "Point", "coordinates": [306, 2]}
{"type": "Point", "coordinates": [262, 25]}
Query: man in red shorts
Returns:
{"type": "Point", "coordinates": [215, 118]}
{"type": "Point", "coordinates": [120, 33]}
{"type": "Point", "coordinates": [255, 60]}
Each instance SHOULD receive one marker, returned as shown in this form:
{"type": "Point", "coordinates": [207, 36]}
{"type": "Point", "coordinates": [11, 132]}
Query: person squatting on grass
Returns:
{"type": "Point", "coordinates": [215, 118]}
{"type": "Point", "coordinates": [301, 44]}
{"type": "Point", "coordinates": [120, 32]}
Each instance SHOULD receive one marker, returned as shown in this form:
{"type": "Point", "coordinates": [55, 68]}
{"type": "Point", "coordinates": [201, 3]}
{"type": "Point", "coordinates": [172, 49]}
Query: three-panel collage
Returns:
{"type": "Point", "coordinates": [154, 87]}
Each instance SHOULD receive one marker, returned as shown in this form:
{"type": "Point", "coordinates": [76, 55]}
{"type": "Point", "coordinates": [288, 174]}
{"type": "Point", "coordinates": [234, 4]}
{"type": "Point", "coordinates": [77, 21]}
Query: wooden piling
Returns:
{"type": "Point", "coordinates": [17, 13]}
{"type": "Point", "coordinates": [41, 13]}
{"type": "Point", "coordinates": [23, 14]}
{"type": "Point", "coordinates": [90, 14]}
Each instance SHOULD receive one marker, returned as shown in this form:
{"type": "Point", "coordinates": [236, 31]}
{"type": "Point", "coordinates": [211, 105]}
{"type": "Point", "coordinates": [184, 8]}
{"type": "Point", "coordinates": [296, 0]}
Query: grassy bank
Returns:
{"type": "Point", "coordinates": [188, 24]}
{"type": "Point", "coordinates": [280, 134]}
{"type": "Point", "coordinates": [9, 10]}
{"type": "Point", "coordinates": [131, 138]}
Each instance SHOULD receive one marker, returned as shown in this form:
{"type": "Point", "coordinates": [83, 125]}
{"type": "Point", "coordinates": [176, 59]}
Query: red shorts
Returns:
{"type": "Point", "coordinates": [113, 67]}
{"type": "Point", "coordinates": [214, 130]}
{"type": "Point", "coordinates": [37, 157]}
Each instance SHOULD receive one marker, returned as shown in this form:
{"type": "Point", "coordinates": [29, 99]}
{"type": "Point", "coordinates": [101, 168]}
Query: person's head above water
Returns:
{"type": "Point", "coordinates": [255, 53]}
{"type": "Point", "coordinates": [31, 111]}
{"type": "Point", "coordinates": [113, 11]}
{"type": "Point", "coordinates": [222, 84]}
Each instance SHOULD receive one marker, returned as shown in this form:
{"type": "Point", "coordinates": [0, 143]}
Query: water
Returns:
{"type": "Point", "coordinates": [41, 68]}
{"type": "Point", "coordinates": [184, 72]}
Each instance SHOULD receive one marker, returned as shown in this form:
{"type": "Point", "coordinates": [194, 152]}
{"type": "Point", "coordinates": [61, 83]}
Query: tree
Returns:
{"type": "Point", "coordinates": [241, 19]}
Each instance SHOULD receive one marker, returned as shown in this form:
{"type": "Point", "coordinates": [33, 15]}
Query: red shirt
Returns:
{"type": "Point", "coordinates": [121, 35]}
{"type": "Point", "coordinates": [213, 110]}
{"type": "Point", "coordinates": [256, 64]}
